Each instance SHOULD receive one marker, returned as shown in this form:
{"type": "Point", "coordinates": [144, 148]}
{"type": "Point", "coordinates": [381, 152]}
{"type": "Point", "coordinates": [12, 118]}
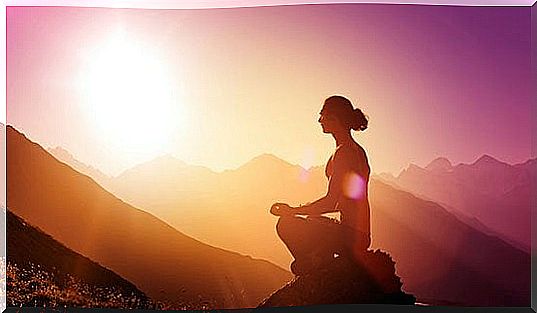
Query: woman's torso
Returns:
{"type": "Point", "coordinates": [353, 204]}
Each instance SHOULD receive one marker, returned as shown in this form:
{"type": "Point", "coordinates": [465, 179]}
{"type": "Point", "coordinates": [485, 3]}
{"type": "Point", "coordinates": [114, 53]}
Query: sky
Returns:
{"type": "Point", "coordinates": [217, 87]}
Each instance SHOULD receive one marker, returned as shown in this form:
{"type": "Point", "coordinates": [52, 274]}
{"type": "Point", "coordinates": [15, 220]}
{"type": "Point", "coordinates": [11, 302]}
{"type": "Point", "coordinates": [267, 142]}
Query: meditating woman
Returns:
{"type": "Point", "coordinates": [316, 239]}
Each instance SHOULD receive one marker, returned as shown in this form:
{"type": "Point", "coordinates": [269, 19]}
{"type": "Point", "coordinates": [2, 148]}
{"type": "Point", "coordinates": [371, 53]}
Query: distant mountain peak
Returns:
{"type": "Point", "coordinates": [164, 161]}
{"type": "Point", "coordinates": [413, 167]}
{"type": "Point", "coordinates": [267, 159]}
{"type": "Point", "coordinates": [60, 151]}
{"type": "Point", "coordinates": [486, 159]}
{"type": "Point", "coordinates": [63, 155]}
{"type": "Point", "coordinates": [439, 164]}
{"type": "Point", "coordinates": [266, 162]}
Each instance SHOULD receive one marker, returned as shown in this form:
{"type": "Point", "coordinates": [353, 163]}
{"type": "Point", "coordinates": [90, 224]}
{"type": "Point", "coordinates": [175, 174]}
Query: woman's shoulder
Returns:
{"type": "Point", "coordinates": [351, 150]}
{"type": "Point", "coordinates": [353, 156]}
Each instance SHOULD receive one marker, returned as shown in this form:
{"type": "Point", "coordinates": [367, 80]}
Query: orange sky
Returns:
{"type": "Point", "coordinates": [218, 87]}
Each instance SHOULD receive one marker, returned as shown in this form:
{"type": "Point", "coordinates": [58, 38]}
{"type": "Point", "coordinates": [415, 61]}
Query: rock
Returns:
{"type": "Point", "coordinates": [372, 280]}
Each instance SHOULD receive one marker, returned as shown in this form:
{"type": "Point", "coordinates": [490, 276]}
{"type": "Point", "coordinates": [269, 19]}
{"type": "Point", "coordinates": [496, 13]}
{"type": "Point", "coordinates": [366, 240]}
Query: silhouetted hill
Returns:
{"type": "Point", "coordinates": [442, 259]}
{"type": "Point", "coordinates": [43, 272]}
{"type": "Point", "coordinates": [463, 217]}
{"type": "Point", "coordinates": [163, 262]}
{"type": "Point", "coordinates": [343, 281]}
{"type": "Point", "coordinates": [66, 157]}
{"type": "Point", "coordinates": [494, 192]}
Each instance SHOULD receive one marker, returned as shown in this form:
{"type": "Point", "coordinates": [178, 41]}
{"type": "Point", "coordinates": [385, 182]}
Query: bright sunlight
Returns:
{"type": "Point", "coordinates": [128, 92]}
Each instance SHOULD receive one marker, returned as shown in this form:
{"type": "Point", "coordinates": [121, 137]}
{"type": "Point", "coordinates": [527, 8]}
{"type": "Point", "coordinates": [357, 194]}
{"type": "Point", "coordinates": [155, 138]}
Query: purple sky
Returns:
{"type": "Point", "coordinates": [435, 80]}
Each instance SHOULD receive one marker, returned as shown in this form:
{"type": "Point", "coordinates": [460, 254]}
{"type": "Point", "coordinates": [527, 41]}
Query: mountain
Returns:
{"type": "Point", "coordinates": [439, 165]}
{"type": "Point", "coordinates": [43, 272]}
{"type": "Point", "coordinates": [443, 260]}
{"type": "Point", "coordinates": [65, 157]}
{"type": "Point", "coordinates": [499, 195]}
{"type": "Point", "coordinates": [472, 221]}
{"type": "Point", "coordinates": [228, 209]}
{"type": "Point", "coordinates": [163, 262]}
{"type": "Point", "coordinates": [440, 258]}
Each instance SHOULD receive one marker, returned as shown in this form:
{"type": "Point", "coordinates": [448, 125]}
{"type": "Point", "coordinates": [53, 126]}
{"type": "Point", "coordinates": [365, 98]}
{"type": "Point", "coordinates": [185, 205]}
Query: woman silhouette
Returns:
{"type": "Point", "coordinates": [316, 239]}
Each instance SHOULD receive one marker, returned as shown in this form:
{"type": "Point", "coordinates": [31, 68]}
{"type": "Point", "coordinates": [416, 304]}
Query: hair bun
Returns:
{"type": "Point", "coordinates": [342, 108]}
{"type": "Point", "coordinates": [359, 120]}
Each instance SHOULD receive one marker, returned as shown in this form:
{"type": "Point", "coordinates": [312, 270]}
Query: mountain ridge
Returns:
{"type": "Point", "coordinates": [30, 250]}
{"type": "Point", "coordinates": [413, 247]}
{"type": "Point", "coordinates": [490, 190]}
{"type": "Point", "coordinates": [254, 227]}
{"type": "Point", "coordinates": [56, 200]}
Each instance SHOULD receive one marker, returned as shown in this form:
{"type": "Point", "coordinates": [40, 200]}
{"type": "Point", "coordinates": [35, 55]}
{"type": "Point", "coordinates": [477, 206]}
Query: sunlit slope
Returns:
{"type": "Point", "coordinates": [166, 264]}
{"type": "Point", "coordinates": [43, 272]}
{"type": "Point", "coordinates": [228, 209]}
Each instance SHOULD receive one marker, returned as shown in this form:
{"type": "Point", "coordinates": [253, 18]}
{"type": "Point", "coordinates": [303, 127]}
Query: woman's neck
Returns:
{"type": "Point", "coordinates": [342, 138]}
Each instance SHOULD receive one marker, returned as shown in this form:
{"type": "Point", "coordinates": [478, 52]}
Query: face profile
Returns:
{"type": "Point", "coordinates": [338, 116]}
{"type": "Point", "coordinates": [329, 123]}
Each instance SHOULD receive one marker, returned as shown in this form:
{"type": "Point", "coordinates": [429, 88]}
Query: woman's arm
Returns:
{"type": "Point", "coordinates": [323, 205]}
{"type": "Point", "coordinates": [342, 175]}
{"type": "Point", "coordinates": [320, 206]}
{"type": "Point", "coordinates": [328, 203]}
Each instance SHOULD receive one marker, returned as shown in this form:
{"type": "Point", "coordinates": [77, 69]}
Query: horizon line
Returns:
{"type": "Point", "coordinates": [235, 168]}
{"type": "Point", "coordinates": [218, 171]}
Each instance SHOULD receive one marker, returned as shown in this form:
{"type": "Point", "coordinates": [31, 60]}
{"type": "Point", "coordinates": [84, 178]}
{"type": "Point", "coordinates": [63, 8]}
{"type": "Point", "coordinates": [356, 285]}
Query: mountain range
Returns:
{"type": "Point", "coordinates": [163, 262]}
{"type": "Point", "coordinates": [443, 260]}
{"type": "Point", "coordinates": [496, 196]}
{"type": "Point", "coordinates": [441, 257]}
{"type": "Point", "coordinates": [66, 157]}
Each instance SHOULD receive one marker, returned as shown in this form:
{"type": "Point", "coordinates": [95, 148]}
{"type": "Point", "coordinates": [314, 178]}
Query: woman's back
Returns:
{"type": "Point", "coordinates": [350, 160]}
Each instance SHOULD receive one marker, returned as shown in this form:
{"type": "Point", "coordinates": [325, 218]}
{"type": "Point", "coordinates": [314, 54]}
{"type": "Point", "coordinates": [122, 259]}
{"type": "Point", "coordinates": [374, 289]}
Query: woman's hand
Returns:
{"type": "Point", "coordinates": [280, 209]}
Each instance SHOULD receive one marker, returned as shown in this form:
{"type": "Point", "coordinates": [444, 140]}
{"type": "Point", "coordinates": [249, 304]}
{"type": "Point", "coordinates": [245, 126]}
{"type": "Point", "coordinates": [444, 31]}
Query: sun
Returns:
{"type": "Point", "coordinates": [129, 97]}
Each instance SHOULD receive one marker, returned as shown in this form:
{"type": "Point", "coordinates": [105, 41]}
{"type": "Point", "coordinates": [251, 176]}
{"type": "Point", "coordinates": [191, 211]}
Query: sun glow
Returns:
{"type": "Point", "coordinates": [128, 92]}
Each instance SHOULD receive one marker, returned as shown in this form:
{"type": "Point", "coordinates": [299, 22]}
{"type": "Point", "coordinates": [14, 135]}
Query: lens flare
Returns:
{"type": "Point", "coordinates": [354, 186]}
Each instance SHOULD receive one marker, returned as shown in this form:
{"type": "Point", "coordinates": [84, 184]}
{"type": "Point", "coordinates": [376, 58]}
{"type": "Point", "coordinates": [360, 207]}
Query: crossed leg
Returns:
{"type": "Point", "coordinates": [312, 240]}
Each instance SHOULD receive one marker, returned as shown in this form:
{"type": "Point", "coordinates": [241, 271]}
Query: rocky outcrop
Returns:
{"type": "Point", "coordinates": [371, 280]}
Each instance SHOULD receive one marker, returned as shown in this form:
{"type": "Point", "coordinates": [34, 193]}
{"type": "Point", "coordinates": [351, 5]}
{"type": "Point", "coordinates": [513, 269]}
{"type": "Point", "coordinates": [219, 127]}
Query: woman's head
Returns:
{"type": "Point", "coordinates": [338, 112]}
